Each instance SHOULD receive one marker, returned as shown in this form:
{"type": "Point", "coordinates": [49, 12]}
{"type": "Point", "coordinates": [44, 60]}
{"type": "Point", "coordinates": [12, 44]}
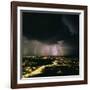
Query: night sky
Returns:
{"type": "Point", "coordinates": [50, 34]}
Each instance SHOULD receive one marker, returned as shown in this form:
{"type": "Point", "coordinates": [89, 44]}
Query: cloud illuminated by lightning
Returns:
{"type": "Point", "coordinates": [35, 47]}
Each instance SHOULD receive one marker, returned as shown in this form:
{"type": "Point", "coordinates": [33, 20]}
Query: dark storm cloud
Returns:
{"type": "Point", "coordinates": [48, 29]}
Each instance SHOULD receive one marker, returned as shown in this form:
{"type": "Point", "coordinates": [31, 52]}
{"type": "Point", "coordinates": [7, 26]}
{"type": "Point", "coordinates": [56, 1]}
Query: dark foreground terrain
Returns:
{"type": "Point", "coordinates": [43, 66]}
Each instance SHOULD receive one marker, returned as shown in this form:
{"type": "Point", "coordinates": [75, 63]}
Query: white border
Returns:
{"type": "Point", "coordinates": [81, 45]}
